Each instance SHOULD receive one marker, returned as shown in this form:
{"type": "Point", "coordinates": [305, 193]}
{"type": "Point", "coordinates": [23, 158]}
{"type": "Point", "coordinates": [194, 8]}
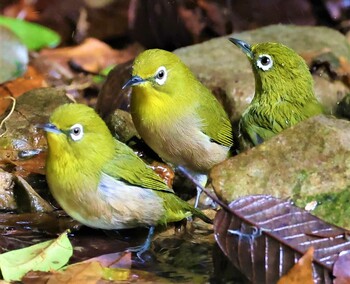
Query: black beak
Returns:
{"type": "Point", "coordinates": [49, 127]}
{"type": "Point", "coordinates": [133, 81]}
{"type": "Point", "coordinates": [245, 47]}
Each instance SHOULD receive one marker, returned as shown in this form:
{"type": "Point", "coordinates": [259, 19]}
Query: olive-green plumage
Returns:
{"type": "Point", "coordinates": [176, 115]}
{"type": "Point", "coordinates": [284, 93]}
{"type": "Point", "coordinates": [99, 181]}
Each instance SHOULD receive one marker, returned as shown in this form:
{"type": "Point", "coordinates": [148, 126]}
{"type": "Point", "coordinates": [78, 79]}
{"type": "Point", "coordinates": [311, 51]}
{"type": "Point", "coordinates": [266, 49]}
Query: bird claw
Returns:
{"type": "Point", "coordinates": [141, 249]}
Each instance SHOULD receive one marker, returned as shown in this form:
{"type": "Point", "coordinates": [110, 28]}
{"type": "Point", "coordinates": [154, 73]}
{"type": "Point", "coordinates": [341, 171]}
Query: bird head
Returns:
{"type": "Point", "coordinates": [159, 71]}
{"type": "Point", "coordinates": [277, 68]}
{"type": "Point", "coordinates": [76, 131]}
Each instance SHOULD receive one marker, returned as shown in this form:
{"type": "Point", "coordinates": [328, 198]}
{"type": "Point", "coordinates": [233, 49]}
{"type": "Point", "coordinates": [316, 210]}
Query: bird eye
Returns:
{"type": "Point", "coordinates": [264, 62]}
{"type": "Point", "coordinates": [76, 132]}
{"type": "Point", "coordinates": [161, 75]}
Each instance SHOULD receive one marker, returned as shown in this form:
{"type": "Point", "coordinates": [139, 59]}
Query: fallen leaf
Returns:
{"type": "Point", "coordinates": [263, 236]}
{"type": "Point", "coordinates": [32, 79]}
{"type": "Point", "coordinates": [164, 171]}
{"type": "Point", "coordinates": [35, 164]}
{"type": "Point", "coordinates": [44, 256]}
{"type": "Point", "coordinates": [92, 55]}
{"type": "Point", "coordinates": [88, 273]}
{"type": "Point", "coordinates": [82, 272]}
{"type": "Point", "coordinates": [34, 36]}
{"type": "Point", "coordinates": [301, 272]}
{"type": "Point", "coordinates": [22, 9]}
{"type": "Point", "coordinates": [113, 260]}
{"type": "Point", "coordinates": [92, 273]}
{"type": "Point", "coordinates": [117, 274]}
{"type": "Point", "coordinates": [341, 268]}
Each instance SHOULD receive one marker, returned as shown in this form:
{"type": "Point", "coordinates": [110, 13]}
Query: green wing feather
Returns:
{"type": "Point", "coordinates": [261, 123]}
{"type": "Point", "coordinates": [216, 123]}
{"type": "Point", "coordinates": [129, 167]}
{"type": "Point", "coordinates": [178, 209]}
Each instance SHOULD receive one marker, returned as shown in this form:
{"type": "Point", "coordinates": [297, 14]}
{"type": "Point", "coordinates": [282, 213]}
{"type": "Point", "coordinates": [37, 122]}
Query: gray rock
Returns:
{"type": "Point", "coordinates": [224, 68]}
{"type": "Point", "coordinates": [343, 109]}
{"type": "Point", "coordinates": [311, 158]}
{"type": "Point", "coordinates": [121, 125]}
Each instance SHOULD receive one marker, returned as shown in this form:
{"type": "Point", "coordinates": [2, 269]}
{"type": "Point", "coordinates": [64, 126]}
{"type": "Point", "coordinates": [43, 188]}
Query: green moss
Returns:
{"type": "Point", "coordinates": [301, 177]}
{"type": "Point", "coordinates": [5, 143]}
{"type": "Point", "coordinates": [331, 207]}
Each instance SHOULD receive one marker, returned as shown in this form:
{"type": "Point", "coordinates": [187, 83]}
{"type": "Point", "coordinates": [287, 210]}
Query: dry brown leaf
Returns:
{"type": "Point", "coordinates": [301, 272]}
{"type": "Point", "coordinates": [165, 172]}
{"type": "Point", "coordinates": [32, 79]}
{"type": "Point", "coordinates": [93, 55]}
{"type": "Point", "coordinates": [88, 273]}
{"type": "Point", "coordinates": [23, 9]}
{"type": "Point", "coordinates": [35, 164]}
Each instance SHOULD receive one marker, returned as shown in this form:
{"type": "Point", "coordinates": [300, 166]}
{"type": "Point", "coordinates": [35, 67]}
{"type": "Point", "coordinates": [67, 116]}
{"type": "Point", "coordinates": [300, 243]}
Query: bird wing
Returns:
{"type": "Point", "coordinates": [215, 122]}
{"type": "Point", "coordinates": [257, 126]}
{"type": "Point", "coordinates": [127, 166]}
{"type": "Point", "coordinates": [251, 130]}
{"type": "Point", "coordinates": [260, 124]}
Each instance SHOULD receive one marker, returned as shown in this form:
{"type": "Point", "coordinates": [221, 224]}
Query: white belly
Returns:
{"type": "Point", "coordinates": [184, 144]}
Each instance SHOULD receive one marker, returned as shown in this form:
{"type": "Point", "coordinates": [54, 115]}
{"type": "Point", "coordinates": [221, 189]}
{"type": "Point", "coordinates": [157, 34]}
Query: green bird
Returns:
{"type": "Point", "coordinates": [176, 115]}
{"type": "Point", "coordinates": [100, 181]}
{"type": "Point", "coordinates": [284, 93]}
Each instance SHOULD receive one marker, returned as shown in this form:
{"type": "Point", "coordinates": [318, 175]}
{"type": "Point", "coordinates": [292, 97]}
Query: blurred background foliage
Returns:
{"type": "Point", "coordinates": [174, 23]}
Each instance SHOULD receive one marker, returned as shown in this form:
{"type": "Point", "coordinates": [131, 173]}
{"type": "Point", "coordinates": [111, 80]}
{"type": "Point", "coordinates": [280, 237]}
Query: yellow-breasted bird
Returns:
{"type": "Point", "coordinates": [176, 115]}
{"type": "Point", "coordinates": [100, 181]}
{"type": "Point", "coordinates": [284, 93]}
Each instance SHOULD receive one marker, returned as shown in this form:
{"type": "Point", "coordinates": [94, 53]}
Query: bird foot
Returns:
{"type": "Point", "coordinates": [141, 249]}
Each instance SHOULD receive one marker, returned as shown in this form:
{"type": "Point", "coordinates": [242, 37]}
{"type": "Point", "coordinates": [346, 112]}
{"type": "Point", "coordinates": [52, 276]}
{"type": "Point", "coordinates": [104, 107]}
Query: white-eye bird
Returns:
{"type": "Point", "coordinates": [176, 115]}
{"type": "Point", "coordinates": [100, 181]}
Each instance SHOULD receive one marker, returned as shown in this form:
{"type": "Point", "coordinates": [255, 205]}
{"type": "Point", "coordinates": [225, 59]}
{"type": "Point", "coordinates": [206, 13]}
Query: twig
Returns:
{"type": "Point", "coordinates": [196, 183]}
{"type": "Point", "coordinates": [9, 114]}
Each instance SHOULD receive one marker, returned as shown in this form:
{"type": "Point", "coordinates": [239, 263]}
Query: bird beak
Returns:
{"type": "Point", "coordinates": [245, 47]}
{"type": "Point", "coordinates": [133, 81]}
{"type": "Point", "coordinates": [49, 127]}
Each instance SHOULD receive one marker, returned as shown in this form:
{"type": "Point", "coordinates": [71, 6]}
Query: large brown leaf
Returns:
{"type": "Point", "coordinates": [264, 237]}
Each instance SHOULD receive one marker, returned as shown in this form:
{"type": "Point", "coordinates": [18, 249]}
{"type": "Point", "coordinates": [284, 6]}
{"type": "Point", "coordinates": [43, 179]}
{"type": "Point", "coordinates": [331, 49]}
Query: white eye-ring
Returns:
{"type": "Point", "coordinates": [161, 75]}
{"type": "Point", "coordinates": [264, 62]}
{"type": "Point", "coordinates": [76, 132]}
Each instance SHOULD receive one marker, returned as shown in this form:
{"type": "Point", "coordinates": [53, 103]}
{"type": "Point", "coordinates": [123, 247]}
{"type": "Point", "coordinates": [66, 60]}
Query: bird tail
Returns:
{"type": "Point", "coordinates": [178, 209]}
{"type": "Point", "coordinates": [198, 213]}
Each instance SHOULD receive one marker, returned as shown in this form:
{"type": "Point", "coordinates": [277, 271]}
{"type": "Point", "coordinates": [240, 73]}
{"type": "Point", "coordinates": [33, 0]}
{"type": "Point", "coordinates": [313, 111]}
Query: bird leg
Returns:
{"type": "Point", "coordinates": [202, 180]}
{"type": "Point", "coordinates": [141, 249]}
{"type": "Point", "coordinates": [199, 179]}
